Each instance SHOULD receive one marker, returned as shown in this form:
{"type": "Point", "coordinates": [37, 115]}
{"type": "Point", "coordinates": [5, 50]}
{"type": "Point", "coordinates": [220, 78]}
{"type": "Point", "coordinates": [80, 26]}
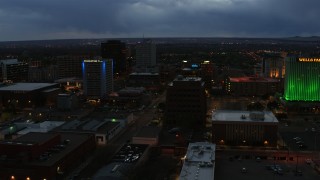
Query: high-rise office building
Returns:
{"type": "Point", "coordinates": [70, 66]}
{"type": "Point", "coordinates": [97, 78]}
{"type": "Point", "coordinates": [145, 55]}
{"type": "Point", "coordinates": [273, 66]}
{"type": "Point", "coordinates": [116, 50]}
{"type": "Point", "coordinates": [186, 102]}
{"type": "Point", "coordinates": [13, 70]}
{"type": "Point", "coordinates": [302, 79]}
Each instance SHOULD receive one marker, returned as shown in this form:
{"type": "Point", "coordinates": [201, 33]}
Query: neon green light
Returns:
{"type": "Point", "coordinates": [302, 81]}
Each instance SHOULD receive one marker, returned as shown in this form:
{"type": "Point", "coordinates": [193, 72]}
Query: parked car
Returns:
{"type": "Point", "coordinates": [244, 170]}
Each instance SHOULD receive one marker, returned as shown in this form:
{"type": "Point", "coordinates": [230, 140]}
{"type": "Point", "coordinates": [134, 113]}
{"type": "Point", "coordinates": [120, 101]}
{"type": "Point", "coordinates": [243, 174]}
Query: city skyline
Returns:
{"type": "Point", "coordinates": [39, 20]}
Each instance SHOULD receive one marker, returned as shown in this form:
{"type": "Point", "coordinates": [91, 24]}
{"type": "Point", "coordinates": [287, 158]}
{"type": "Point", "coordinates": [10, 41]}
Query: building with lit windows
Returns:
{"type": "Point", "coordinates": [302, 79]}
{"type": "Point", "coordinates": [28, 95]}
{"type": "Point", "coordinates": [244, 128]}
{"type": "Point", "coordinates": [13, 70]}
{"type": "Point", "coordinates": [273, 65]}
{"type": "Point", "coordinates": [97, 78]}
{"type": "Point", "coordinates": [186, 102]}
{"type": "Point", "coordinates": [253, 86]}
{"type": "Point", "coordinates": [207, 70]}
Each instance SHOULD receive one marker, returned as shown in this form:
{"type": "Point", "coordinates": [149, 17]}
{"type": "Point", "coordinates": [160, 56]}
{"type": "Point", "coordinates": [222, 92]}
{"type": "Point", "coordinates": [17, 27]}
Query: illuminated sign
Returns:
{"type": "Point", "coordinates": [92, 60]}
{"type": "Point", "coordinates": [194, 65]}
{"type": "Point", "coordinates": [309, 59]}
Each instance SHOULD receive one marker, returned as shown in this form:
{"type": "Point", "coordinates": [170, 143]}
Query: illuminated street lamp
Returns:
{"type": "Point", "coordinates": [265, 142]}
{"type": "Point", "coordinates": [221, 141]}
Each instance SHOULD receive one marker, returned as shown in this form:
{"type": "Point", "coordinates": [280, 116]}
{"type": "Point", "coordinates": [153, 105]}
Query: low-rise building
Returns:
{"type": "Point", "coordinates": [103, 130]}
{"type": "Point", "coordinates": [43, 155]}
{"type": "Point", "coordinates": [253, 86]}
{"type": "Point", "coordinates": [244, 128]}
{"type": "Point", "coordinates": [28, 94]}
{"type": "Point", "coordinates": [147, 135]}
{"type": "Point", "coordinates": [199, 162]}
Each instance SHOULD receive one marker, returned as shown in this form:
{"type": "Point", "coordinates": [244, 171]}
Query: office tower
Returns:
{"type": "Point", "coordinates": [43, 74]}
{"type": "Point", "coordinates": [273, 66]}
{"type": "Point", "coordinates": [302, 79]}
{"type": "Point", "coordinates": [116, 50]}
{"type": "Point", "coordinates": [97, 78]}
{"type": "Point", "coordinates": [13, 70]}
{"type": "Point", "coordinates": [186, 102]}
{"type": "Point", "coordinates": [70, 66]}
{"type": "Point", "coordinates": [145, 55]}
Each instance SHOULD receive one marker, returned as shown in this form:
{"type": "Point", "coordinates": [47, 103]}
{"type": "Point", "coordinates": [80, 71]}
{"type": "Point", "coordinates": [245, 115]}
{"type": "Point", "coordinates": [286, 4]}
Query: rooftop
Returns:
{"type": "Point", "coordinates": [244, 116]}
{"type": "Point", "coordinates": [45, 126]}
{"type": "Point", "coordinates": [9, 61]}
{"type": "Point", "coordinates": [99, 126]}
{"type": "Point", "coordinates": [144, 74]}
{"type": "Point", "coordinates": [26, 86]}
{"type": "Point", "coordinates": [30, 139]}
{"type": "Point", "coordinates": [181, 78]}
{"type": "Point", "coordinates": [252, 79]}
{"type": "Point", "coordinates": [70, 79]}
{"type": "Point", "coordinates": [199, 162]}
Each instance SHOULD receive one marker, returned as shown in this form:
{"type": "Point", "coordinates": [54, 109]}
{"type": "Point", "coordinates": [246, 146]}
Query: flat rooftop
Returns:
{"type": "Point", "coordinates": [252, 79]}
{"type": "Point", "coordinates": [181, 78]}
{"type": "Point", "coordinates": [242, 116]}
{"type": "Point", "coordinates": [70, 79]}
{"type": "Point", "coordinates": [199, 163]}
{"type": "Point", "coordinates": [30, 139]}
{"type": "Point", "coordinates": [144, 74]}
{"type": "Point", "coordinates": [45, 126]}
{"type": "Point", "coordinates": [9, 61]}
{"type": "Point", "coordinates": [26, 86]}
{"type": "Point", "coordinates": [91, 125]}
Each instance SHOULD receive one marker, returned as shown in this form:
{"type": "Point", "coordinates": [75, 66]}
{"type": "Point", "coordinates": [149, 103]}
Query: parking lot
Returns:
{"type": "Point", "coordinates": [229, 166]}
{"type": "Point", "coordinates": [299, 132]}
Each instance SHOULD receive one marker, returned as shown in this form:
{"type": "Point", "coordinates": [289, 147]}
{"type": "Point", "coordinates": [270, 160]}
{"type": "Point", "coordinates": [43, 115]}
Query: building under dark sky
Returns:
{"type": "Point", "coordinates": [116, 50]}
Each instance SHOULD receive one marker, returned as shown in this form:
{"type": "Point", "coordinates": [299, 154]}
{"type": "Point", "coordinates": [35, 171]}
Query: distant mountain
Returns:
{"type": "Point", "coordinates": [300, 38]}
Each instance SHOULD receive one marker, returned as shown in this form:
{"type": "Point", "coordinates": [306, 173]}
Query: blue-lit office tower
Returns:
{"type": "Point", "coordinates": [97, 78]}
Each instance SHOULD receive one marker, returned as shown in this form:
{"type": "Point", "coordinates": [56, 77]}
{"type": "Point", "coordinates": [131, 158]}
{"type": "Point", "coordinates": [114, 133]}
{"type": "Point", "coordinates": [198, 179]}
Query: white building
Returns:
{"type": "Point", "coordinates": [199, 163]}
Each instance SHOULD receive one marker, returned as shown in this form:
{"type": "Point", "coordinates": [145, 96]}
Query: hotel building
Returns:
{"type": "Point", "coordinates": [97, 78]}
{"type": "Point", "coordinates": [302, 79]}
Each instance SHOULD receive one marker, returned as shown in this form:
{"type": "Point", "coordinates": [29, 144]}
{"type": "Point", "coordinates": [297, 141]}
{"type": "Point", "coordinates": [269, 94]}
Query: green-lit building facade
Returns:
{"type": "Point", "coordinates": [302, 79]}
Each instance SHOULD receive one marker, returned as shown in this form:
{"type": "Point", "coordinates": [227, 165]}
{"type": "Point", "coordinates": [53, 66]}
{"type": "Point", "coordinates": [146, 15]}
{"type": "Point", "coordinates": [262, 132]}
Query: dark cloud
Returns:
{"type": "Point", "coordinates": [47, 19]}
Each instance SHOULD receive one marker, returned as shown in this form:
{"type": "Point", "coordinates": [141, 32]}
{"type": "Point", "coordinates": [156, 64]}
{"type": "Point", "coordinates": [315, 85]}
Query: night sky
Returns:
{"type": "Point", "coordinates": [68, 19]}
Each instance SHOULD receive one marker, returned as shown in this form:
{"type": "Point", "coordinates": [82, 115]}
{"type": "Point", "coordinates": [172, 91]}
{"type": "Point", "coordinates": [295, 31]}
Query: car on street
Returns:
{"type": "Point", "coordinates": [244, 170]}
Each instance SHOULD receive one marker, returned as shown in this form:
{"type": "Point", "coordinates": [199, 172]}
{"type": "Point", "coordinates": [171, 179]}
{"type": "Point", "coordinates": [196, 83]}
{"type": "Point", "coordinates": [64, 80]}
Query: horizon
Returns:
{"type": "Point", "coordinates": [176, 37]}
{"type": "Point", "coordinates": [38, 20]}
